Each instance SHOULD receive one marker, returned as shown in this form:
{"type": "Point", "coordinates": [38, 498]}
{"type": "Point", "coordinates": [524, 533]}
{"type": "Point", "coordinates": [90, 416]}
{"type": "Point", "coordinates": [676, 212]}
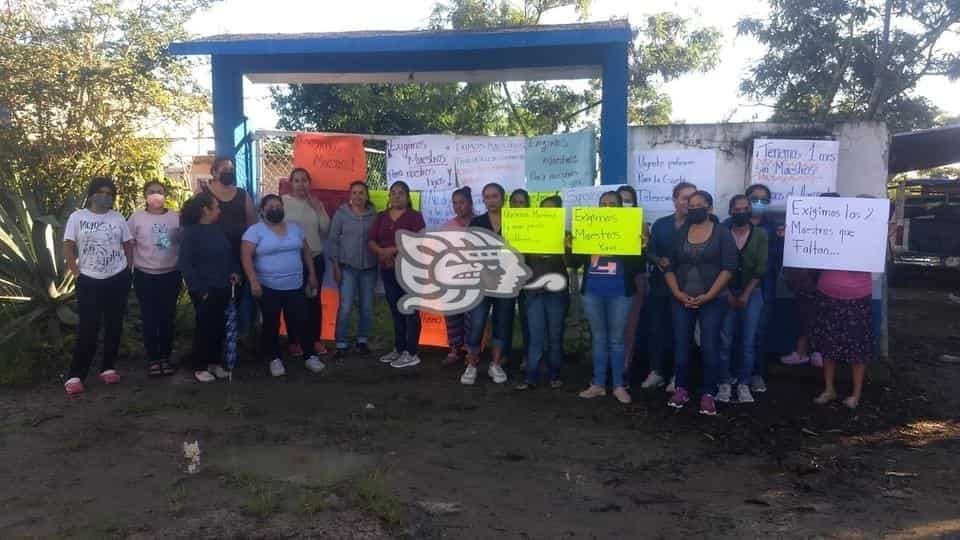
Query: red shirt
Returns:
{"type": "Point", "coordinates": [384, 229]}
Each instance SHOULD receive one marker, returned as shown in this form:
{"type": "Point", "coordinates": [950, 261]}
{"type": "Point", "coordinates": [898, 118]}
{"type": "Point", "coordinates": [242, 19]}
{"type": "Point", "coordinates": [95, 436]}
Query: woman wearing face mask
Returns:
{"type": "Point", "coordinates": [307, 211]}
{"type": "Point", "coordinates": [98, 249]}
{"type": "Point", "coordinates": [745, 301]}
{"type": "Point", "coordinates": [399, 216]}
{"type": "Point", "coordinates": [609, 285]}
{"type": "Point", "coordinates": [354, 266]}
{"type": "Point", "coordinates": [760, 198]}
{"type": "Point", "coordinates": [208, 271]}
{"type": "Point", "coordinates": [457, 325]}
{"type": "Point", "coordinates": [519, 198]}
{"type": "Point", "coordinates": [155, 232]}
{"type": "Point", "coordinates": [701, 264]}
{"type": "Point", "coordinates": [274, 255]}
{"type": "Point", "coordinates": [660, 333]}
{"type": "Point", "coordinates": [501, 308]}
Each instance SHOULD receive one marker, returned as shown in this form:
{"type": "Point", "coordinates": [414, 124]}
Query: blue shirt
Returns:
{"type": "Point", "coordinates": [278, 260]}
{"type": "Point", "coordinates": [605, 277]}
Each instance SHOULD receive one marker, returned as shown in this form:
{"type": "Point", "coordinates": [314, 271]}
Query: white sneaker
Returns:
{"type": "Point", "coordinates": [406, 360]}
{"type": "Point", "coordinates": [390, 357]}
{"type": "Point", "coordinates": [497, 374]}
{"type": "Point", "coordinates": [469, 375]}
{"type": "Point", "coordinates": [757, 384]}
{"type": "Point", "coordinates": [743, 394]}
{"type": "Point", "coordinates": [723, 393]}
{"type": "Point", "coordinates": [672, 387]}
{"type": "Point", "coordinates": [276, 368]}
{"type": "Point", "coordinates": [218, 371]}
{"type": "Point", "coordinates": [314, 364]}
{"type": "Point", "coordinates": [204, 376]}
{"type": "Point", "coordinates": [653, 380]}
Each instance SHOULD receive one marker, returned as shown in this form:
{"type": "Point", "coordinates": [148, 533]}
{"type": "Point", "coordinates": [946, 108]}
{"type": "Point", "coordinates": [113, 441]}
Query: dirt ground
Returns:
{"type": "Point", "coordinates": [365, 451]}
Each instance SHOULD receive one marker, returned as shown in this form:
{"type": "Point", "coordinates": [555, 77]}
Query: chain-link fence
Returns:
{"type": "Point", "coordinates": [274, 151]}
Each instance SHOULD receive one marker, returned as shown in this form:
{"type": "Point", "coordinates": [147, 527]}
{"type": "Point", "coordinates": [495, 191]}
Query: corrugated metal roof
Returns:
{"type": "Point", "coordinates": [926, 149]}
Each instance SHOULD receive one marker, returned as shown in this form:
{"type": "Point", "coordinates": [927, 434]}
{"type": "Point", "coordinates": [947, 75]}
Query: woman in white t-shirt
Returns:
{"type": "Point", "coordinates": [98, 248]}
{"type": "Point", "coordinates": [156, 280]}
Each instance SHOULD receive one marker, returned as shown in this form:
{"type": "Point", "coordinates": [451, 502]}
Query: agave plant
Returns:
{"type": "Point", "coordinates": [36, 288]}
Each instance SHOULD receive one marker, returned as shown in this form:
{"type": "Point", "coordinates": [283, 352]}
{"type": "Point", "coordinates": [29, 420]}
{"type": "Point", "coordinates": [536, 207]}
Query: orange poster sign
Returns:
{"type": "Point", "coordinates": [433, 330]}
{"type": "Point", "coordinates": [333, 161]}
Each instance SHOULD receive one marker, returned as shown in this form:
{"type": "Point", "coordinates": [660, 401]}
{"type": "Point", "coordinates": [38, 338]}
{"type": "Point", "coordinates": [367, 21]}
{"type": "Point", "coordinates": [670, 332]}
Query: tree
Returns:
{"type": "Point", "coordinates": [667, 47]}
{"type": "Point", "coordinates": [83, 82]}
{"type": "Point", "coordinates": [852, 59]}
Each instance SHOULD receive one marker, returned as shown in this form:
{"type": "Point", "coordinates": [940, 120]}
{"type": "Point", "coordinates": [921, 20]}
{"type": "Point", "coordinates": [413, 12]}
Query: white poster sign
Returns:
{"type": "Point", "coordinates": [836, 233]}
{"type": "Point", "coordinates": [481, 160]}
{"type": "Point", "coordinates": [437, 207]}
{"type": "Point", "coordinates": [654, 173]}
{"type": "Point", "coordinates": [582, 196]}
{"type": "Point", "coordinates": [424, 162]}
{"type": "Point", "coordinates": [798, 168]}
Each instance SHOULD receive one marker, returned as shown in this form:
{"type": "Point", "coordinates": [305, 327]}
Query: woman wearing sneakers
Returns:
{"type": "Point", "coordinates": [500, 309]}
{"type": "Point", "coordinates": [307, 211]}
{"type": "Point", "coordinates": [98, 250]}
{"type": "Point", "coordinates": [399, 216]}
{"type": "Point", "coordinates": [457, 325]}
{"type": "Point", "coordinates": [156, 280]}
{"type": "Point", "coordinates": [608, 288]}
{"type": "Point", "coordinates": [701, 264]}
{"type": "Point", "coordinates": [209, 271]}
{"type": "Point", "coordinates": [274, 254]}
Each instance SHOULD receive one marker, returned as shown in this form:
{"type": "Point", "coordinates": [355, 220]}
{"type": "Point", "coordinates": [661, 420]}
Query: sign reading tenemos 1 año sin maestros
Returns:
{"type": "Point", "coordinates": [794, 168]}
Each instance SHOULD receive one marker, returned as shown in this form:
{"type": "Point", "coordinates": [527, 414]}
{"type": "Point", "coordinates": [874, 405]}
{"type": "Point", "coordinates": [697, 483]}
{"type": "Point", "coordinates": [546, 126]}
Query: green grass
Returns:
{"type": "Point", "coordinates": [178, 500]}
{"type": "Point", "coordinates": [371, 494]}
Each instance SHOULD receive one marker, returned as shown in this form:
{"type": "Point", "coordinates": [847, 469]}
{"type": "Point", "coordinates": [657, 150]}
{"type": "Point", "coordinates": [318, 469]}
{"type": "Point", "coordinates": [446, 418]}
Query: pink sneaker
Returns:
{"type": "Point", "coordinates": [320, 348]}
{"type": "Point", "coordinates": [295, 350]}
{"type": "Point", "coordinates": [794, 359]}
{"type": "Point", "coordinates": [679, 398]}
{"type": "Point", "coordinates": [110, 376]}
{"type": "Point", "coordinates": [74, 386]}
{"type": "Point", "coordinates": [707, 406]}
{"type": "Point", "coordinates": [816, 360]}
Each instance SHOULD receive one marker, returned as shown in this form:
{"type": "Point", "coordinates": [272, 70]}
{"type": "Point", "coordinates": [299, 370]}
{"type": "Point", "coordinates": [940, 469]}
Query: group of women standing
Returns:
{"type": "Point", "coordinates": [701, 271]}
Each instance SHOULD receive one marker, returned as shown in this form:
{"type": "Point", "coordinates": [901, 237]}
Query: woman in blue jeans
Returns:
{"type": "Point", "coordinates": [399, 216]}
{"type": "Point", "coordinates": [698, 269]}
{"type": "Point", "coordinates": [354, 266]}
{"type": "Point", "coordinates": [745, 301]}
{"type": "Point", "coordinates": [501, 308]}
{"type": "Point", "coordinates": [545, 314]}
{"type": "Point", "coordinates": [609, 284]}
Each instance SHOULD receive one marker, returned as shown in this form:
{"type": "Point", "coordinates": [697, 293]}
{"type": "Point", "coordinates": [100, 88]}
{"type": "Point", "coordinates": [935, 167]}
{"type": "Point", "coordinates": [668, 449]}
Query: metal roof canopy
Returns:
{"type": "Point", "coordinates": [548, 52]}
{"type": "Point", "coordinates": [925, 149]}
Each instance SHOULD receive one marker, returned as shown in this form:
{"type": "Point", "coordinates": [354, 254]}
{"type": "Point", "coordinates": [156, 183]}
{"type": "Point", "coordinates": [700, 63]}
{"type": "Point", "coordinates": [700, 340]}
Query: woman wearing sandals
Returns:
{"type": "Point", "coordinates": [156, 280]}
{"type": "Point", "coordinates": [843, 328]}
{"type": "Point", "coordinates": [98, 249]}
{"type": "Point", "coordinates": [209, 271]}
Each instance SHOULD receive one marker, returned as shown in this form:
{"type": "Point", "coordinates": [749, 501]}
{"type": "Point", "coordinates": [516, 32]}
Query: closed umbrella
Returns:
{"type": "Point", "coordinates": [230, 336]}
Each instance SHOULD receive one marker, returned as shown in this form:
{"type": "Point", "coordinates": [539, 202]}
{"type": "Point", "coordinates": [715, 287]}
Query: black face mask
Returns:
{"type": "Point", "coordinates": [274, 215]}
{"type": "Point", "coordinates": [228, 178]}
{"type": "Point", "coordinates": [697, 215]}
{"type": "Point", "coordinates": [741, 218]}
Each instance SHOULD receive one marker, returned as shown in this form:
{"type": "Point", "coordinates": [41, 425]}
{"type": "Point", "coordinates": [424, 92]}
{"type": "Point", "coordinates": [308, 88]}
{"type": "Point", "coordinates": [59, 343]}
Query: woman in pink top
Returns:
{"type": "Point", "coordinates": [457, 324]}
{"type": "Point", "coordinates": [156, 280]}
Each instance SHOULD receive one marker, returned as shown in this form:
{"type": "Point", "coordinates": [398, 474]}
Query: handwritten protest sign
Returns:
{"type": "Point", "coordinates": [607, 231]}
{"type": "Point", "coordinates": [795, 168]}
{"type": "Point", "coordinates": [332, 161]}
{"type": "Point", "coordinates": [654, 173]}
{"type": "Point", "coordinates": [560, 161]}
{"type": "Point", "coordinates": [534, 230]}
{"type": "Point", "coordinates": [836, 233]}
{"type": "Point", "coordinates": [581, 196]}
{"type": "Point", "coordinates": [424, 162]}
{"type": "Point", "coordinates": [380, 199]}
{"type": "Point", "coordinates": [481, 160]}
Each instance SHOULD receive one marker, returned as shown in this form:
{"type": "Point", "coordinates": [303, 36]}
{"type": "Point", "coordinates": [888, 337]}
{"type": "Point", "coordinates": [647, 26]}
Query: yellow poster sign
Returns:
{"type": "Point", "coordinates": [534, 230]}
{"type": "Point", "coordinates": [607, 231]}
{"type": "Point", "coordinates": [380, 198]}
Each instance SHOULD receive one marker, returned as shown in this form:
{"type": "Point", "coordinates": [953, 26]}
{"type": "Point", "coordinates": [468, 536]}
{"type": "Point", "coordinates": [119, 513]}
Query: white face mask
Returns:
{"type": "Point", "coordinates": [156, 200]}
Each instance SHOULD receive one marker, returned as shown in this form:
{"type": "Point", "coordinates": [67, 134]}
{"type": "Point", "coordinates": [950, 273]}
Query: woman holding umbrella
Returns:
{"type": "Point", "coordinates": [209, 271]}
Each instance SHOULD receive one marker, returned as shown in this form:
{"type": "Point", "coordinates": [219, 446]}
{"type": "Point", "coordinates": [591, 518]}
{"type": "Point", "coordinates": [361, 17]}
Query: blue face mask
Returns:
{"type": "Point", "coordinates": [759, 208]}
